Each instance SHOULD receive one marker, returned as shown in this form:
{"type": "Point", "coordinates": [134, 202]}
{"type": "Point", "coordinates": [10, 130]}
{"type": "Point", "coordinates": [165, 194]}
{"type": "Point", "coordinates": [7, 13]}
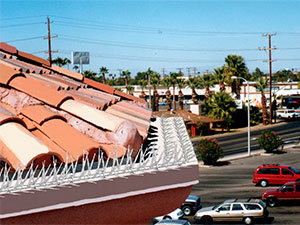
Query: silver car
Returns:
{"type": "Point", "coordinates": [233, 210]}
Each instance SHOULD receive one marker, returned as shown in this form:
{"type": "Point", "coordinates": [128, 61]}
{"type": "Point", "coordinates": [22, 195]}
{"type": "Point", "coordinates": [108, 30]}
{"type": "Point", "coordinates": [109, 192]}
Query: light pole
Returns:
{"type": "Point", "coordinates": [248, 97]}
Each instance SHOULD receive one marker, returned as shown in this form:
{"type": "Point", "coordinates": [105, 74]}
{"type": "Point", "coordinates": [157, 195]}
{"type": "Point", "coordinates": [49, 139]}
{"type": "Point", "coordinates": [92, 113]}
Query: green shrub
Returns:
{"type": "Point", "coordinates": [269, 141]}
{"type": "Point", "coordinates": [209, 151]}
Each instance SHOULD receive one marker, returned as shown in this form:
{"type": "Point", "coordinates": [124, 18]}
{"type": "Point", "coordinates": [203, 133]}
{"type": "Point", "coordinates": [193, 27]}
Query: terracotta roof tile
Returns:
{"type": "Point", "coordinates": [39, 90]}
{"type": "Point", "coordinates": [17, 68]}
{"type": "Point", "coordinates": [69, 73]}
{"type": "Point", "coordinates": [7, 116]}
{"type": "Point", "coordinates": [100, 94]}
{"type": "Point", "coordinates": [58, 85]}
{"type": "Point", "coordinates": [7, 74]}
{"type": "Point", "coordinates": [131, 111]}
{"type": "Point", "coordinates": [23, 151]}
{"type": "Point", "coordinates": [8, 48]}
{"type": "Point", "coordinates": [67, 82]}
{"type": "Point", "coordinates": [68, 138]}
{"type": "Point", "coordinates": [141, 110]}
{"type": "Point", "coordinates": [39, 113]}
{"type": "Point", "coordinates": [99, 86]}
{"type": "Point", "coordinates": [33, 58]}
{"type": "Point", "coordinates": [130, 97]}
{"type": "Point", "coordinates": [112, 150]}
{"type": "Point", "coordinates": [25, 66]}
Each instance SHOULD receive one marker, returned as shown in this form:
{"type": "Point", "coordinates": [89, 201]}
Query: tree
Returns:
{"type": "Point", "coordinates": [129, 89]}
{"type": "Point", "coordinates": [261, 84]}
{"type": "Point", "coordinates": [126, 75]}
{"type": "Point", "coordinates": [103, 71]}
{"type": "Point", "coordinates": [256, 75]}
{"type": "Point", "coordinates": [143, 84]}
{"type": "Point", "coordinates": [235, 66]}
{"type": "Point", "coordinates": [167, 83]}
{"type": "Point", "coordinates": [220, 76]}
{"type": "Point", "coordinates": [173, 77]}
{"type": "Point", "coordinates": [61, 62]}
{"type": "Point", "coordinates": [193, 84]}
{"type": "Point", "coordinates": [154, 81]}
{"type": "Point", "coordinates": [221, 106]}
{"type": "Point", "coordinates": [207, 81]}
{"type": "Point", "coordinates": [180, 84]}
{"type": "Point", "coordinates": [90, 74]}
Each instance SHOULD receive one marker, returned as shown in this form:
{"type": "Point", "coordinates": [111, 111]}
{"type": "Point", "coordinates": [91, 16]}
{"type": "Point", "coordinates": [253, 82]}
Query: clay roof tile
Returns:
{"type": "Point", "coordinates": [8, 48]}
{"type": "Point", "coordinates": [7, 74]}
{"type": "Point", "coordinates": [99, 86]}
{"type": "Point", "coordinates": [66, 72]}
{"type": "Point", "coordinates": [33, 58]}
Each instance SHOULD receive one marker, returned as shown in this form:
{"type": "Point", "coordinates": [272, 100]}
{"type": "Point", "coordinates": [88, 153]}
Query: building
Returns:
{"type": "Point", "coordinates": [74, 151]}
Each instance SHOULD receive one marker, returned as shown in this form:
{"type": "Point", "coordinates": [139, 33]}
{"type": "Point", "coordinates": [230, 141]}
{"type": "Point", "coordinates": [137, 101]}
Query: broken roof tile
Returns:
{"type": "Point", "coordinates": [69, 73]}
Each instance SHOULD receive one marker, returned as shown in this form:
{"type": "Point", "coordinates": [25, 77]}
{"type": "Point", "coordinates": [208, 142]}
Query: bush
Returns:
{"type": "Point", "coordinates": [269, 141]}
{"type": "Point", "coordinates": [209, 151]}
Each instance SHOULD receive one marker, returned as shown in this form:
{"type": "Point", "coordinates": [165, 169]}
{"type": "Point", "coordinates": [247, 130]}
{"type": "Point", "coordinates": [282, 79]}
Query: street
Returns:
{"type": "Point", "coordinates": [234, 180]}
{"type": "Point", "coordinates": [238, 143]}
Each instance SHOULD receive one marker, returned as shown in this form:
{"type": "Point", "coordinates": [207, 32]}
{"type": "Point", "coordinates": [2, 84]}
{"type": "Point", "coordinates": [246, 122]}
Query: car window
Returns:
{"type": "Point", "coordinates": [264, 171]}
{"type": "Point", "coordinates": [286, 172]}
{"type": "Point", "coordinates": [298, 188]}
{"type": "Point", "coordinates": [252, 207]}
{"type": "Point", "coordinates": [274, 171]}
{"type": "Point", "coordinates": [236, 207]}
{"type": "Point", "coordinates": [294, 170]}
{"type": "Point", "coordinates": [289, 188]}
{"type": "Point", "coordinates": [225, 207]}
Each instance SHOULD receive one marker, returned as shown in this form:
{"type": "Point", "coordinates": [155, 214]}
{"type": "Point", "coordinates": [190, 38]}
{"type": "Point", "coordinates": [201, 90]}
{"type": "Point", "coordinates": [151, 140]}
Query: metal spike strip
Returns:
{"type": "Point", "coordinates": [170, 150]}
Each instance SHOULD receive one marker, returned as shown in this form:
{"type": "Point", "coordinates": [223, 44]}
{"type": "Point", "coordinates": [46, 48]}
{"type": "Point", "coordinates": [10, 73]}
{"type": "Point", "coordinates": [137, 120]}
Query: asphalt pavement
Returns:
{"type": "Point", "coordinates": [233, 179]}
{"type": "Point", "coordinates": [237, 142]}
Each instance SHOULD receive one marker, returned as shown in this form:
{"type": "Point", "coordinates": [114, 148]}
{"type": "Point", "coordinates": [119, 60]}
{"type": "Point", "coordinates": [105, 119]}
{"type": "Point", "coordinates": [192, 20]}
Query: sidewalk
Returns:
{"type": "Point", "coordinates": [241, 130]}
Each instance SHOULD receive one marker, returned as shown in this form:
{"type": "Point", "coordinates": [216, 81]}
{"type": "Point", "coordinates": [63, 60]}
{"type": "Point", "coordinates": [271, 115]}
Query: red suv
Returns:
{"type": "Point", "coordinates": [275, 174]}
{"type": "Point", "coordinates": [289, 191]}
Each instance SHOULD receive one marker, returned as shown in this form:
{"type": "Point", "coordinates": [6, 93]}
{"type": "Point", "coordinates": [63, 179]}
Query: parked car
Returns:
{"type": "Point", "coordinates": [290, 191]}
{"type": "Point", "coordinates": [174, 222]}
{"type": "Point", "coordinates": [287, 114]}
{"type": "Point", "coordinates": [191, 205]}
{"type": "Point", "coordinates": [275, 174]}
{"type": "Point", "coordinates": [233, 210]}
{"type": "Point", "coordinates": [174, 215]}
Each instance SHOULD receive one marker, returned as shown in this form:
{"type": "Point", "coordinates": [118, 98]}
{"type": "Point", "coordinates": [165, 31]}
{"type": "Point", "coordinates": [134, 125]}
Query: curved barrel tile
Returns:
{"type": "Point", "coordinates": [39, 90]}
{"type": "Point", "coordinates": [21, 152]}
{"type": "Point", "coordinates": [7, 74]}
{"type": "Point", "coordinates": [69, 73]}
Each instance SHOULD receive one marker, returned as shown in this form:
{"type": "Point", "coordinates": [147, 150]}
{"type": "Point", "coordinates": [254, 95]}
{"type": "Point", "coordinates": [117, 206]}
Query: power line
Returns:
{"type": "Point", "coordinates": [20, 25]}
{"type": "Point", "coordinates": [22, 17]}
{"type": "Point", "coordinates": [25, 39]}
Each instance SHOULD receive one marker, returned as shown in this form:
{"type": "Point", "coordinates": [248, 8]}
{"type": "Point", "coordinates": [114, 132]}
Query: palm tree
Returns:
{"type": "Point", "coordinates": [67, 62]}
{"type": "Point", "coordinates": [61, 62]}
{"type": "Point", "coordinates": [103, 71]}
{"type": "Point", "coordinates": [235, 66]}
{"type": "Point", "coordinates": [173, 77]}
{"type": "Point", "coordinates": [262, 83]}
{"type": "Point", "coordinates": [167, 83]}
{"type": "Point", "coordinates": [221, 77]}
{"type": "Point", "coordinates": [129, 89]}
{"type": "Point", "coordinates": [154, 81]}
{"type": "Point", "coordinates": [180, 84]}
{"type": "Point", "coordinates": [207, 81]}
{"type": "Point", "coordinates": [193, 83]}
{"type": "Point", "coordinates": [126, 75]}
{"type": "Point", "coordinates": [90, 74]}
{"type": "Point", "coordinates": [220, 106]}
{"type": "Point", "coordinates": [143, 84]}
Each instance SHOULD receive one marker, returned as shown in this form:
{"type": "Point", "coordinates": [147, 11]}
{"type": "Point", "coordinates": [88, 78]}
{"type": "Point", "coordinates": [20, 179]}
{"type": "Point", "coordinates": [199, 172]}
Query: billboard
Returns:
{"type": "Point", "coordinates": [80, 58]}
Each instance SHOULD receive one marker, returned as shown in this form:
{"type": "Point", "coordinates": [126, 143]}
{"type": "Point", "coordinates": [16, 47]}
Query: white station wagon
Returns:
{"type": "Point", "coordinates": [233, 210]}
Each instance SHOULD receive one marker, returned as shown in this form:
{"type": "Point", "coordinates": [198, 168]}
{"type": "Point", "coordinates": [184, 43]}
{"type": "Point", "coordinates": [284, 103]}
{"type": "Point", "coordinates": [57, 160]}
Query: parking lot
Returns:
{"type": "Point", "coordinates": [233, 179]}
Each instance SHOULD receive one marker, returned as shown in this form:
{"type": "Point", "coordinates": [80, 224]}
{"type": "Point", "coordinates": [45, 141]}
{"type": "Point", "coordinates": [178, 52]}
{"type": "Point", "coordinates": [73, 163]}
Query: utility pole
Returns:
{"type": "Point", "coordinates": [195, 71]}
{"type": "Point", "coordinates": [164, 71]}
{"type": "Point", "coordinates": [188, 69]}
{"type": "Point", "coordinates": [180, 71]}
{"type": "Point", "coordinates": [270, 71]}
{"type": "Point", "coordinates": [49, 42]}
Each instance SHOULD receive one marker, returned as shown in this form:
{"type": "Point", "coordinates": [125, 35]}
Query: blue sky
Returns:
{"type": "Point", "coordinates": [135, 35]}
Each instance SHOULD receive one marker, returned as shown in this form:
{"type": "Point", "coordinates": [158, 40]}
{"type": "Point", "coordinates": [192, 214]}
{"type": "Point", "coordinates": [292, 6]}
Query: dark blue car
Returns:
{"type": "Point", "coordinates": [191, 205]}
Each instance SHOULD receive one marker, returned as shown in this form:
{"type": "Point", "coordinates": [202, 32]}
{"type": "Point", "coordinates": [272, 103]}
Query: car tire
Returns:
{"type": "Point", "coordinates": [167, 218]}
{"type": "Point", "coordinates": [272, 201]}
{"type": "Point", "coordinates": [248, 220]}
{"type": "Point", "coordinates": [206, 220]}
{"type": "Point", "coordinates": [263, 183]}
{"type": "Point", "coordinates": [187, 210]}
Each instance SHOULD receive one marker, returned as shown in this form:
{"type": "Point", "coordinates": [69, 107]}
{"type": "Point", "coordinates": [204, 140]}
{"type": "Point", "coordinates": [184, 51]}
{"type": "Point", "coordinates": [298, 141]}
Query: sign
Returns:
{"type": "Point", "coordinates": [80, 58]}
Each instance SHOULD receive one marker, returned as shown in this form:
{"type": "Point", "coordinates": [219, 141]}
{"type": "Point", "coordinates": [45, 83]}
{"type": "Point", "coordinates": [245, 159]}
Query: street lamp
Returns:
{"type": "Point", "coordinates": [235, 77]}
